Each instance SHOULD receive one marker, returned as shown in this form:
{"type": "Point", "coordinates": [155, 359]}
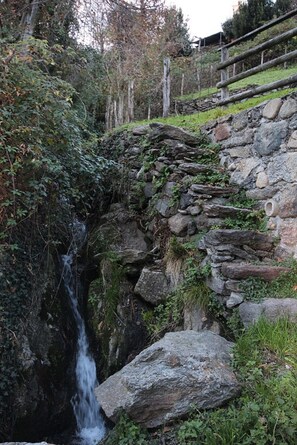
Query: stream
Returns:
{"type": "Point", "coordinates": [90, 424]}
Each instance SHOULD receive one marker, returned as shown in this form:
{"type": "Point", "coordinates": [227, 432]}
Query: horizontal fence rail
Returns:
{"type": "Point", "coordinates": [226, 62]}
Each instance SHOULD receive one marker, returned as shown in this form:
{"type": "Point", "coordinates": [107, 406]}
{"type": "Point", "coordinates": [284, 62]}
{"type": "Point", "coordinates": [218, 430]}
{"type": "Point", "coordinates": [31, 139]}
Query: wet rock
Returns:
{"type": "Point", "coordinates": [166, 380]}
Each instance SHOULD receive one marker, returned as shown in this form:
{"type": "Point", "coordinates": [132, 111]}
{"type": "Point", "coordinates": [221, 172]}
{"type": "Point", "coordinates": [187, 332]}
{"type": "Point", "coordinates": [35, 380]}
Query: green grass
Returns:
{"type": "Point", "coordinates": [268, 76]}
{"type": "Point", "coordinates": [193, 122]}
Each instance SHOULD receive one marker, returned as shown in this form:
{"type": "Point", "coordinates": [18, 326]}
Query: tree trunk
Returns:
{"type": "Point", "coordinates": [130, 100]}
{"type": "Point", "coordinates": [29, 18]}
{"type": "Point", "coordinates": [166, 87]}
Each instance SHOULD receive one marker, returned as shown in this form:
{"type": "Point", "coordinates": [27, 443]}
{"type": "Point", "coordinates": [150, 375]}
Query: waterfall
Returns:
{"type": "Point", "coordinates": [90, 424]}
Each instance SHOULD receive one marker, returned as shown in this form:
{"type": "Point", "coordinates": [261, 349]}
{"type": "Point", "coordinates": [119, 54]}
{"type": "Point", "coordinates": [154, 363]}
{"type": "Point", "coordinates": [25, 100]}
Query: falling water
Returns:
{"type": "Point", "coordinates": [90, 424]}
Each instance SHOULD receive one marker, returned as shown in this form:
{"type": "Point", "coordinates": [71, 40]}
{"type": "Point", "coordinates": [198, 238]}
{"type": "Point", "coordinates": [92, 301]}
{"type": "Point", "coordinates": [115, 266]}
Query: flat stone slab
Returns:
{"type": "Point", "coordinates": [213, 190]}
{"type": "Point", "coordinates": [164, 382]}
{"type": "Point", "coordinates": [242, 271]}
{"type": "Point", "coordinates": [163, 131]}
{"type": "Point", "coordinates": [214, 210]}
{"type": "Point", "coordinates": [236, 237]}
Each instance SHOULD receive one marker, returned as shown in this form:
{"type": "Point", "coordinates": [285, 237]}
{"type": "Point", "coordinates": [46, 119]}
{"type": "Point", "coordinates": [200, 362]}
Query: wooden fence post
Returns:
{"type": "Point", "coordinates": [166, 87]}
{"type": "Point", "coordinates": [224, 73]}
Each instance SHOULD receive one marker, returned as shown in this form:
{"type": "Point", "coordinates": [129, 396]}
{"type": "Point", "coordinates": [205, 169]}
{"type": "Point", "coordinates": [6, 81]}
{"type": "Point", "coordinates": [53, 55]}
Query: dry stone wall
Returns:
{"type": "Point", "coordinates": [179, 186]}
{"type": "Point", "coordinates": [259, 149]}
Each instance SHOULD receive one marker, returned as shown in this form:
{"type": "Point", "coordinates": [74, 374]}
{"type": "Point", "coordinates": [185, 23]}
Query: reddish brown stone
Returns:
{"type": "Point", "coordinates": [222, 132]}
{"type": "Point", "coordinates": [243, 271]}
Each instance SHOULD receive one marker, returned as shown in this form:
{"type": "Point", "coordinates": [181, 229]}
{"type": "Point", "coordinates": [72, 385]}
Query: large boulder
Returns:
{"type": "Point", "coordinates": [166, 380]}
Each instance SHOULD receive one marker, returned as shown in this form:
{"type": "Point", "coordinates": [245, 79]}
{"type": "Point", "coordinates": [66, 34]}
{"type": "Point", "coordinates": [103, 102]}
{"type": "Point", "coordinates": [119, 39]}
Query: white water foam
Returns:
{"type": "Point", "coordinates": [90, 424]}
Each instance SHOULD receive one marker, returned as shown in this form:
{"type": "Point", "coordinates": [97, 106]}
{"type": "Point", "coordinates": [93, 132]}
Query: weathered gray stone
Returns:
{"type": "Point", "coordinates": [262, 180]}
{"type": "Point", "coordinates": [165, 207]}
{"type": "Point", "coordinates": [213, 190]}
{"type": "Point", "coordinates": [272, 108]}
{"type": "Point", "coordinates": [193, 168]}
{"type": "Point", "coordinates": [194, 318]}
{"type": "Point", "coordinates": [234, 300]}
{"type": "Point", "coordinates": [239, 152]}
{"type": "Point", "coordinates": [141, 130]}
{"type": "Point", "coordinates": [240, 140]}
{"type": "Point", "coordinates": [152, 286]}
{"type": "Point", "coordinates": [132, 256]}
{"type": "Point", "coordinates": [216, 282]}
{"type": "Point", "coordinates": [271, 308]}
{"type": "Point", "coordinates": [163, 131]}
{"type": "Point", "coordinates": [283, 168]}
{"type": "Point", "coordinates": [266, 193]}
{"type": "Point", "coordinates": [243, 171]}
{"type": "Point", "coordinates": [250, 312]}
{"type": "Point", "coordinates": [178, 224]}
{"type": "Point", "coordinates": [194, 210]}
{"type": "Point", "coordinates": [293, 140]}
{"type": "Point", "coordinates": [287, 202]}
{"type": "Point", "coordinates": [288, 108]}
{"type": "Point", "coordinates": [148, 190]}
{"type": "Point", "coordinates": [268, 137]}
{"type": "Point", "coordinates": [186, 200]}
{"type": "Point", "coordinates": [240, 121]}
{"type": "Point", "coordinates": [166, 380]}
{"type": "Point", "coordinates": [236, 237]}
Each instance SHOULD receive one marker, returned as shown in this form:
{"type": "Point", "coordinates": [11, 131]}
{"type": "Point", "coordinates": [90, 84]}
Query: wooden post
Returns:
{"type": "Point", "coordinates": [130, 100]}
{"type": "Point", "coordinates": [224, 73]}
{"type": "Point", "coordinates": [198, 79]}
{"type": "Point", "coordinates": [149, 111]}
{"type": "Point", "coordinates": [166, 87]}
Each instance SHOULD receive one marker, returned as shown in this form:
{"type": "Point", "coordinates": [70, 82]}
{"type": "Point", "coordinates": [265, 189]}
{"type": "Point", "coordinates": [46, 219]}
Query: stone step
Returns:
{"type": "Point", "coordinates": [241, 271]}
{"type": "Point", "coordinates": [213, 190]}
{"type": "Point", "coordinates": [255, 240]}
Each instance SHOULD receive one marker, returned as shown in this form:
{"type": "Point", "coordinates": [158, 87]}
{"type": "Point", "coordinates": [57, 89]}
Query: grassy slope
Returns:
{"type": "Point", "coordinates": [193, 122]}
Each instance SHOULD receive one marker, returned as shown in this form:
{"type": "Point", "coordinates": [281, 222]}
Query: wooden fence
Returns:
{"type": "Point", "coordinates": [227, 61]}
